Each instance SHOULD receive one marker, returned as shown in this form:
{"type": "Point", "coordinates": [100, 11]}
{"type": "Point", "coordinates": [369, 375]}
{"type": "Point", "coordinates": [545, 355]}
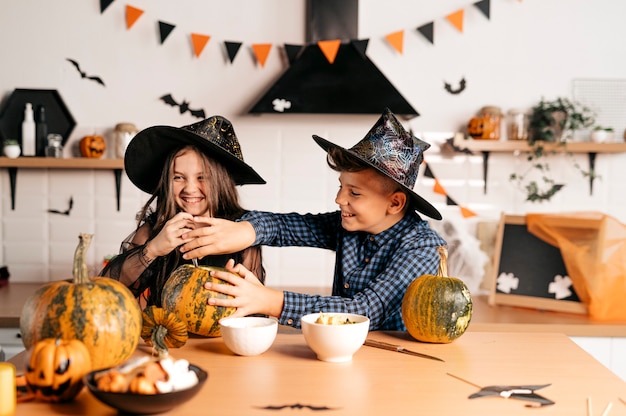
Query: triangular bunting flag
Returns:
{"type": "Point", "coordinates": [438, 189]}
{"type": "Point", "coordinates": [329, 48]}
{"type": "Point", "coordinates": [361, 46]}
{"type": "Point", "coordinates": [396, 39]}
{"type": "Point", "coordinates": [104, 4]}
{"type": "Point", "coordinates": [467, 213]}
{"type": "Point", "coordinates": [484, 7]}
{"type": "Point", "coordinates": [292, 52]}
{"type": "Point", "coordinates": [427, 172]}
{"type": "Point", "coordinates": [450, 201]}
{"type": "Point", "coordinates": [232, 48]}
{"type": "Point", "coordinates": [427, 31]}
{"type": "Point", "coordinates": [132, 14]}
{"type": "Point", "coordinates": [199, 42]}
{"type": "Point", "coordinates": [165, 29]}
{"type": "Point", "coordinates": [456, 19]}
{"type": "Point", "coordinates": [261, 50]}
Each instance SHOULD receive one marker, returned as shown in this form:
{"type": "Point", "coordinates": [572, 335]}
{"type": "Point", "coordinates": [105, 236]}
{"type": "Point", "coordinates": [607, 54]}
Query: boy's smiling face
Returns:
{"type": "Point", "coordinates": [369, 202]}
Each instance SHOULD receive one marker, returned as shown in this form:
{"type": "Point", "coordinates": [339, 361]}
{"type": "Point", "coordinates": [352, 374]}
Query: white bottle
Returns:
{"type": "Point", "coordinates": [28, 131]}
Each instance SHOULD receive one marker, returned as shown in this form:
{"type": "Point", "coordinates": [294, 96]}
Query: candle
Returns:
{"type": "Point", "coordinates": [7, 389]}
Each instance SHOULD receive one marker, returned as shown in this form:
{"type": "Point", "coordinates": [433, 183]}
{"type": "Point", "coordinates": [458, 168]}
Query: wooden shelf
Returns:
{"type": "Point", "coordinates": [116, 165]}
{"type": "Point", "coordinates": [511, 146]}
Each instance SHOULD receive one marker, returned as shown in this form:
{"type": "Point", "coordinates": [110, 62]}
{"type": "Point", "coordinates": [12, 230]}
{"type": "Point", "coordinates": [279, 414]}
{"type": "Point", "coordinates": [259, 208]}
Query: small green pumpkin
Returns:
{"type": "Point", "coordinates": [437, 308]}
{"type": "Point", "coordinates": [163, 330]}
{"type": "Point", "coordinates": [184, 294]}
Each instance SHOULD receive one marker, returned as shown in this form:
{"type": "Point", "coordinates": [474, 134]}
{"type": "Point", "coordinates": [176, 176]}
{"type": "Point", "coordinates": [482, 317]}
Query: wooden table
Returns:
{"type": "Point", "coordinates": [288, 379]}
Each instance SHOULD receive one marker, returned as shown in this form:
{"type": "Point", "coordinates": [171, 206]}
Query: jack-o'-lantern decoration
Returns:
{"type": "Point", "coordinates": [92, 146]}
{"type": "Point", "coordinates": [55, 369]}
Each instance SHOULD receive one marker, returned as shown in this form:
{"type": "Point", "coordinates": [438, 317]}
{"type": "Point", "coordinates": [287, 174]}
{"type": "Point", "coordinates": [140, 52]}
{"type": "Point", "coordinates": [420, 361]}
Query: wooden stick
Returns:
{"type": "Point", "coordinates": [608, 408]}
{"type": "Point", "coordinates": [589, 409]}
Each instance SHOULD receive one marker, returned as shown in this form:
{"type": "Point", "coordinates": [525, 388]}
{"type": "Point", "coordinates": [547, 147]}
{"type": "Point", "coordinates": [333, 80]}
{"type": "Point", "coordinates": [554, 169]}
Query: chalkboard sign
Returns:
{"type": "Point", "coordinates": [530, 272]}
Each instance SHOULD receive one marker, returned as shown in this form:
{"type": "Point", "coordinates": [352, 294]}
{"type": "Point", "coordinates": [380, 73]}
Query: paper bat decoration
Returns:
{"type": "Point", "coordinates": [297, 406]}
{"type": "Point", "coordinates": [84, 75]}
{"type": "Point", "coordinates": [459, 90]}
{"type": "Point", "coordinates": [66, 212]}
{"type": "Point", "coordinates": [183, 106]}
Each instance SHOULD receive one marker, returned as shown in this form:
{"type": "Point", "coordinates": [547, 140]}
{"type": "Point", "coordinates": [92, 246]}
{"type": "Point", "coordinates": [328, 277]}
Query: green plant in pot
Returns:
{"type": "Point", "coordinates": [552, 121]}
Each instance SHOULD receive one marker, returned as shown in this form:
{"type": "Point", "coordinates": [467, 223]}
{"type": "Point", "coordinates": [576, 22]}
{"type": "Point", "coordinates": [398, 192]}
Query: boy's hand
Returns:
{"type": "Point", "coordinates": [217, 236]}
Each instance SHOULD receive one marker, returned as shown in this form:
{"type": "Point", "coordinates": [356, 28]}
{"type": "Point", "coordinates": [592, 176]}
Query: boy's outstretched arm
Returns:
{"type": "Point", "coordinates": [217, 236]}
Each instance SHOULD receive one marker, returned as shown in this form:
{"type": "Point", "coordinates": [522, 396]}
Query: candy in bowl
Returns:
{"type": "Point", "coordinates": [335, 337]}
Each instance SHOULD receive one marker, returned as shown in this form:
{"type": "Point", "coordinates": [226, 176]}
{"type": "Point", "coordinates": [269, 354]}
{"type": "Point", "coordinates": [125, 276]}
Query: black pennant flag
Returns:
{"type": "Point", "coordinates": [484, 7]}
{"type": "Point", "coordinates": [450, 201]}
{"type": "Point", "coordinates": [292, 52]}
{"type": "Point", "coordinates": [428, 173]}
{"type": "Point", "coordinates": [165, 29]}
{"type": "Point", "coordinates": [232, 48]}
{"type": "Point", "coordinates": [361, 46]}
{"type": "Point", "coordinates": [104, 4]}
{"type": "Point", "coordinates": [428, 32]}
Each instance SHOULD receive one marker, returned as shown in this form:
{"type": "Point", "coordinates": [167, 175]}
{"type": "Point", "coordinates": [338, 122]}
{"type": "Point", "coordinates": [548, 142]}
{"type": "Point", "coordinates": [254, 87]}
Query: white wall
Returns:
{"type": "Point", "coordinates": [527, 50]}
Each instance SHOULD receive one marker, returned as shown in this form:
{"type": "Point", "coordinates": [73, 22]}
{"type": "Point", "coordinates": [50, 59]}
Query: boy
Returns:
{"type": "Point", "coordinates": [381, 243]}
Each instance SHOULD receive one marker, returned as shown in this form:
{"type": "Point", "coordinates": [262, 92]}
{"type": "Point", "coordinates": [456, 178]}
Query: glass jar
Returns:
{"type": "Point", "coordinates": [124, 133]}
{"type": "Point", "coordinates": [517, 124]}
{"type": "Point", "coordinates": [492, 121]}
{"type": "Point", "coordinates": [55, 145]}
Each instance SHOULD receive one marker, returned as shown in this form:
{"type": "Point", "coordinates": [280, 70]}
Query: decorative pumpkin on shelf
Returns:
{"type": "Point", "coordinates": [184, 294]}
{"type": "Point", "coordinates": [55, 369]}
{"type": "Point", "coordinates": [163, 330]}
{"type": "Point", "coordinates": [437, 308]}
{"type": "Point", "coordinates": [92, 146]}
{"type": "Point", "coordinates": [100, 312]}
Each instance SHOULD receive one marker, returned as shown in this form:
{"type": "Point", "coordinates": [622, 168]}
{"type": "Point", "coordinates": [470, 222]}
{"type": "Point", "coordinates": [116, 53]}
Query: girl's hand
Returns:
{"type": "Point", "coordinates": [171, 236]}
{"type": "Point", "coordinates": [217, 236]}
{"type": "Point", "coordinates": [249, 294]}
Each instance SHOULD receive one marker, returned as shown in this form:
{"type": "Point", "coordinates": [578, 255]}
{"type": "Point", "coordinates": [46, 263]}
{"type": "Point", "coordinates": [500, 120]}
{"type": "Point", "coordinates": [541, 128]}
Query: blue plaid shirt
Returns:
{"type": "Point", "coordinates": [372, 271]}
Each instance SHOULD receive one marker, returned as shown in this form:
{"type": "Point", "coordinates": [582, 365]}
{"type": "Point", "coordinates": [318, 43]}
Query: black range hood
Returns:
{"type": "Point", "coordinates": [352, 84]}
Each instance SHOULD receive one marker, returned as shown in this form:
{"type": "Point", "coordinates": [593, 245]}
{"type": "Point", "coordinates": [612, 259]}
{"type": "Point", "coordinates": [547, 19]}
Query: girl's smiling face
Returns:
{"type": "Point", "coordinates": [190, 183]}
{"type": "Point", "coordinates": [368, 202]}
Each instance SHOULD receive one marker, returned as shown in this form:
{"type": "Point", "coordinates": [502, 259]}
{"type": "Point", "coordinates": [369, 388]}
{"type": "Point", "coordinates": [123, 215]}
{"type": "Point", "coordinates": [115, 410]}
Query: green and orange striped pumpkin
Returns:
{"type": "Point", "coordinates": [100, 312]}
{"type": "Point", "coordinates": [184, 294]}
{"type": "Point", "coordinates": [437, 308]}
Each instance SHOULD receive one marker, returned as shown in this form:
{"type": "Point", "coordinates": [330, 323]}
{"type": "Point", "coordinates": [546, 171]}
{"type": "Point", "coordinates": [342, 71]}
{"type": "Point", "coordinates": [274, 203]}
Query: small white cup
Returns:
{"type": "Point", "coordinates": [12, 151]}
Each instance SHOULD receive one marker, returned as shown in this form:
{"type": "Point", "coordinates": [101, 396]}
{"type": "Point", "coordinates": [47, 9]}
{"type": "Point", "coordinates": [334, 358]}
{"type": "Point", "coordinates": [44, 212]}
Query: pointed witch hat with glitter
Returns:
{"type": "Point", "coordinates": [215, 137]}
{"type": "Point", "coordinates": [395, 153]}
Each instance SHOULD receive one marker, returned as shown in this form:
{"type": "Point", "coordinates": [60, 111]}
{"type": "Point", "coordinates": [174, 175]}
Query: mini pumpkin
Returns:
{"type": "Point", "coordinates": [184, 294]}
{"type": "Point", "coordinates": [55, 369]}
{"type": "Point", "coordinates": [92, 146]}
{"type": "Point", "coordinates": [437, 308]}
{"type": "Point", "coordinates": [163, 329]}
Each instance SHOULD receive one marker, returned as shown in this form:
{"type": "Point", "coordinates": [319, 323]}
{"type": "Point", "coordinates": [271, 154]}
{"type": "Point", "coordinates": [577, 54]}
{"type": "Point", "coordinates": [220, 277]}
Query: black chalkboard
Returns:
{"type": "Point", "coordinates": [530, 272]}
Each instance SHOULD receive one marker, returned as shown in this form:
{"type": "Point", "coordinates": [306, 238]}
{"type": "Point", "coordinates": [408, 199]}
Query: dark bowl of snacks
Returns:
{"type": "Point", "coordinates": [146, 385]}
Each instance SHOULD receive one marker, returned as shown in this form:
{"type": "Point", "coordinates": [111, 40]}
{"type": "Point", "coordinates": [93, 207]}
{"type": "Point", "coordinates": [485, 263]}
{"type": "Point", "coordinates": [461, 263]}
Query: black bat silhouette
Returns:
{"type": "Point", "coordinates": [297, 406]}
{"type": "Point", "coordinates": [184, 106]}
{"type": "Point", "coordinates": [449, 88]}
{"type": "Point", "coordinates": [66, 212]}
{"type": "Point", "coordinates": [84, 75]}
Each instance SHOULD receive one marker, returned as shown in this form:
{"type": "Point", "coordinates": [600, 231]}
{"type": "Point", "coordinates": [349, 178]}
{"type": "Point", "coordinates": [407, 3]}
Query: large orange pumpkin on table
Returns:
{"type": "Point", "coordinates": [184, 294]}
{"type": "Point", "coordinates": [100, 312]}
{"type": "Point", "coordinates": [437, 308]}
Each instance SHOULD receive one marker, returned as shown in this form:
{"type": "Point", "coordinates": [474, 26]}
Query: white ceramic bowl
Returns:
{"type": "Point", "coordinates": [249, 335]}
{"type": "Point", "coordinates": [335, 343]}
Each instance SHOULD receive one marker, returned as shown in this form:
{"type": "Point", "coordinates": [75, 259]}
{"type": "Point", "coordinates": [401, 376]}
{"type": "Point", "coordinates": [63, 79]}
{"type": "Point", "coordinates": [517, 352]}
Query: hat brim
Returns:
{"type": "Point", "coordinates": [419, 203]}
{"type": "Point", "coordinates": [147, 152]}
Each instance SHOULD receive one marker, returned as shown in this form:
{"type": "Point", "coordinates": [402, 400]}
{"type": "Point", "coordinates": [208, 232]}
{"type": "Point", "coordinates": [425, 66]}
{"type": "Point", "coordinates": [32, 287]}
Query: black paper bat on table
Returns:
{"type": "Point", "coordinates": [458, 90]}
{"type": "Point", "coordinates": [183, 106]}
{"type": "Point", "coordinates": [84, 74]}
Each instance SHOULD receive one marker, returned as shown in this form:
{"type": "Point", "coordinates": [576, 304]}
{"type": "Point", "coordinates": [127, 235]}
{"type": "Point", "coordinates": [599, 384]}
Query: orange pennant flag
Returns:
{"type": "Point", "coordinates": [132, 14]}
{"type": "Point", "coordinates": [261, 50]}
{"type": "Point", "coordinates": [329, 48]}
{"type": "Point", "coordinates": [396, 40]}
{"type": "Point", "coordinates": [438, 189]}
{"type": "Point", "coordinates": [467, 213]}
{"type": "Point", "coordinates": [199, 42]}
{"type": "Point", "coordinates": [456, 19]}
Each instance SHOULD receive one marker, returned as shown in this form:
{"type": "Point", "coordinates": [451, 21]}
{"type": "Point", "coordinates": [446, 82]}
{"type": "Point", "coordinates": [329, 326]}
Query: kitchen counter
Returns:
{"type": "Point", "coordinates": [288, 379]}
{"type": "Point", "coordinates": [500, 318]}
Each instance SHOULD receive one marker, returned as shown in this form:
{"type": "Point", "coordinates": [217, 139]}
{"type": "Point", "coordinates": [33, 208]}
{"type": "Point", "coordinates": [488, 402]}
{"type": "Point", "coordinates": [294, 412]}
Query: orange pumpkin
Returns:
{"type": "Point", "coordinates": [100, 312]}
{"type": "Point", "coordinates": [92, 146]}
{"type": "Point", "coordinates": [55, 369]}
